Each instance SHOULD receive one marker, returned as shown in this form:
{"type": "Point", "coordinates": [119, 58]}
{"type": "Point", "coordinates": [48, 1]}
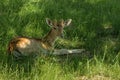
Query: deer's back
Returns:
{"type": "Point", "coordinates": [25, 46]}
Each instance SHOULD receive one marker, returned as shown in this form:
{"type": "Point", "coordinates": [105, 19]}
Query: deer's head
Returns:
{"type": "Point", "coordinates": [58, 26]}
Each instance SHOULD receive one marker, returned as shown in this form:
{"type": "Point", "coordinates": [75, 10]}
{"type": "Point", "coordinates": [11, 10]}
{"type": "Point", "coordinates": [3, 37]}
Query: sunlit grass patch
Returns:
{"type": "Point", "coordinates": [31, 30]}
{"type": "Point", "coordinates": [30, 7]}
{"type": "Point", "coordinates": [93, 1]}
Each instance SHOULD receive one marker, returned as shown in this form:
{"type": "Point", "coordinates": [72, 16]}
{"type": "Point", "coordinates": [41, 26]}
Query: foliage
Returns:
{"type": "Point", "coordinates": [95, 27]}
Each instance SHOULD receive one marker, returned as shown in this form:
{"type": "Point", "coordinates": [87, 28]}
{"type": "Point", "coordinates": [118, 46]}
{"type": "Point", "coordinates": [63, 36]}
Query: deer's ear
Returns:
{"type": "Point", "coordinates": [49, 22]}
{"type": "Point", "coordinates": [67, 22]}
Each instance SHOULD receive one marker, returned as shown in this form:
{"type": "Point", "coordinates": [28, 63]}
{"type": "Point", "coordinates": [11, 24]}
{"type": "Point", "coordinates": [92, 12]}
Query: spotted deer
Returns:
{"type": "Point", "coordinates": [23, 46]}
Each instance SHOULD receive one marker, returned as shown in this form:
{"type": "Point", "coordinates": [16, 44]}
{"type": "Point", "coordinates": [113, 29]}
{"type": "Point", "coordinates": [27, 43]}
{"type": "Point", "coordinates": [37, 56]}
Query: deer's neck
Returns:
{"type": "Point", "coordinates": [49, 39]}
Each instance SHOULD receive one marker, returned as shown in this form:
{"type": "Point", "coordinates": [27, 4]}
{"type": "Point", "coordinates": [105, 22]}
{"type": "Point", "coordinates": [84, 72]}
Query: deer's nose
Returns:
{"type": "Point", "coordinates": [62, 35]}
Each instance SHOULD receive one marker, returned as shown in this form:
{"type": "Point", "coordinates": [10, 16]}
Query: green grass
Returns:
{"type": "Point", "coordinates": [95, 27]}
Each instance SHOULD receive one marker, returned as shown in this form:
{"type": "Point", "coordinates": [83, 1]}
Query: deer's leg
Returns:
{"type": "Point", "coordinates": [17, 54]}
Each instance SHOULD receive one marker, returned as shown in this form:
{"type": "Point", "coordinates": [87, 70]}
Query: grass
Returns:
{"type": "Point", "coordinates": [95, 27]}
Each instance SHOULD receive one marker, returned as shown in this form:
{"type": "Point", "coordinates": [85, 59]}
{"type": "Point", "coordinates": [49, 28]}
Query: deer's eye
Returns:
{"type": "Point", "coordinates": [54, 28]}
{"type": "Point", "coordinates": [58, 25]}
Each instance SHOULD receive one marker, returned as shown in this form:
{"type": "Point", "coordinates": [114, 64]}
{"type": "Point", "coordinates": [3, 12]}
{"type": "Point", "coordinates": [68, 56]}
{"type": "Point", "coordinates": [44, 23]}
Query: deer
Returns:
{"type": "Point", "coordinates": [24, 46]}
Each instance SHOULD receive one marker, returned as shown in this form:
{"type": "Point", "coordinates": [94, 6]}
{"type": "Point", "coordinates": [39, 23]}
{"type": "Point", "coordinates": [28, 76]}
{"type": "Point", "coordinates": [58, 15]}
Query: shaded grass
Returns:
{"type": "Point", "coordinates": [95, 27]}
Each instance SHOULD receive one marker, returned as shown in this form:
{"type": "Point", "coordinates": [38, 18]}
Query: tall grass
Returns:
{"type": "Point", "coordinates": [95, 27]}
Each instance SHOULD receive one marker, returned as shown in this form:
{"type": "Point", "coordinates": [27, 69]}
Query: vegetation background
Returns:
{"type": "Point", "coordinates": [95, 27]}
